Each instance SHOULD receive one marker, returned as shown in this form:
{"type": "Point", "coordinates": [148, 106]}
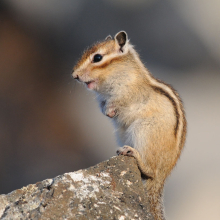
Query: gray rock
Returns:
{"type": "Point", "coordinates": [110, 190]}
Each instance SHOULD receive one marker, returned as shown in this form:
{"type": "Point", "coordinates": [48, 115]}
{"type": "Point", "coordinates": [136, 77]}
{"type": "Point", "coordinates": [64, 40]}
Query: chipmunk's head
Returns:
{"type": "Point", "coordinates": [100, 61]}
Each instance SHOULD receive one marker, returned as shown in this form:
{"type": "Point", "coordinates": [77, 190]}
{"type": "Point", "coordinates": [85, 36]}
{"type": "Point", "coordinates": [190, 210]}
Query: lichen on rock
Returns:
{"type": "Point", "coordinates": [110, 190]}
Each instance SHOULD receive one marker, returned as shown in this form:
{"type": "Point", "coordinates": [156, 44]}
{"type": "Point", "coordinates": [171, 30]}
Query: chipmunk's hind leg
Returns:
{"type": "Point", "coordinates": [131, 152]}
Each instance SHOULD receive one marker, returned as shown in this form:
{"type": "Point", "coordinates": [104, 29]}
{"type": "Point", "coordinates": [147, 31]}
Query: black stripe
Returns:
{"type": "Point", "coordinates": [161, 91]}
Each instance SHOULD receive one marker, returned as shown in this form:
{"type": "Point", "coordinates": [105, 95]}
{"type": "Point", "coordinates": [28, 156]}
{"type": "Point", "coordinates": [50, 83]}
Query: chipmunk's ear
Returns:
{"type": "Point", "coordinates": [121, 38]}
{"type": "Point", "coordinates": [109, 37]}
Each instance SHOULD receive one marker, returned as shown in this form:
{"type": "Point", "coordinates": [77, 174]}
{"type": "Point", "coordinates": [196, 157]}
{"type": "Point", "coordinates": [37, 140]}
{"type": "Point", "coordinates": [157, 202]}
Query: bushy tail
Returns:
{"type": "Point", "coordinates": [155, 196]}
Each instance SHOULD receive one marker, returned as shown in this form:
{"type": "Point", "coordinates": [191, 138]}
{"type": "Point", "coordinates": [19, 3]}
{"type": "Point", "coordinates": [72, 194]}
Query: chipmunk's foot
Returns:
{"type": "Point", "coordinates": [131, 152]}
{"type": "Point", "coordinates": [126, 151]}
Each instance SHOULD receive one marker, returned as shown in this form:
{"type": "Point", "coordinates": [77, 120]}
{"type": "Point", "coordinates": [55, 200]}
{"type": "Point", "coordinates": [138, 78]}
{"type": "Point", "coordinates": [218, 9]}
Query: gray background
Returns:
{"type": "Point", "coordinates": [50, 125]}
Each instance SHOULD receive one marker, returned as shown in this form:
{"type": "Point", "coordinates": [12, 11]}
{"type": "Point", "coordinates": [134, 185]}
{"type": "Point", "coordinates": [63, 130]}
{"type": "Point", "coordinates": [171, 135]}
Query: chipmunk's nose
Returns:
{"type": "Point", "coordinates": [76, 77]}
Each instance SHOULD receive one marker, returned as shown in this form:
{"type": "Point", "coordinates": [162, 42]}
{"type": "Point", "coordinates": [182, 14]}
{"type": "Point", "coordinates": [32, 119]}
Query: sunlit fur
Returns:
{"type": "Point", "coordinates": [149, 115]}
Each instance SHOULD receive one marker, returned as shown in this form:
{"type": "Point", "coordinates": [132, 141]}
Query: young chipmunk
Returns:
{"type": "Point", "coordinates": [147, 113]}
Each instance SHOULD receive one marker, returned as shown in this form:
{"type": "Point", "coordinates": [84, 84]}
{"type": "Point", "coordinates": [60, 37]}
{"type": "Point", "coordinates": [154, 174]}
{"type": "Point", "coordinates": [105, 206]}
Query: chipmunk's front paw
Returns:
{"type": "Point", "coordinates": [108, 108]}
{"type": "Point", "coordinates": [110, 112]}
{"type": "Point", "coordinates": [126, 151]}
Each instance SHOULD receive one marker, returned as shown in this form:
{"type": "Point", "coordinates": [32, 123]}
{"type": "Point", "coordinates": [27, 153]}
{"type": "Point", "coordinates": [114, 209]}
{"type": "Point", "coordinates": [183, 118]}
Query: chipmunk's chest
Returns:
{"type": "Point", "coordinates": [131, 112]}
{"type": "Point", "coordinates": [129, 123]}
{"type": "Point", "coordinates": [133, 135]}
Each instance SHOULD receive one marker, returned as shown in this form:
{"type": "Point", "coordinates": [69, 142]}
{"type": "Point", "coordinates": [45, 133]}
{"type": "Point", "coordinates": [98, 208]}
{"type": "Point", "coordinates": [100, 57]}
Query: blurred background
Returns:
{"type": "Point", "coordinates": [50, 125]}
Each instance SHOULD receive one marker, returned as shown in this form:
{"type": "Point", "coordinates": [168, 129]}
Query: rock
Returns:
{"type": "Point", "coordinates": [110, 190]}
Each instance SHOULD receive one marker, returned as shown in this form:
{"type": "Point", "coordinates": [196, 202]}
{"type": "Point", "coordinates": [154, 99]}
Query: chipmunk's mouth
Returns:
{"type": "Point", "coordinates": [91, 84]}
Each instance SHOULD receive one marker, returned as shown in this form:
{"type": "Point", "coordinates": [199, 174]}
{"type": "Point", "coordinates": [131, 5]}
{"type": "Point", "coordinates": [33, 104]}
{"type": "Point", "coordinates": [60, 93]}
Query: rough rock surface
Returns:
{"type": "Point", "coordinates": [110, 190]}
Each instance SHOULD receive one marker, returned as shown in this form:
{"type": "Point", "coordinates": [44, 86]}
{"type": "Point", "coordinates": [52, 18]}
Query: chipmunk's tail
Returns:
{"type": "Point", "coordinates": [155, 196]}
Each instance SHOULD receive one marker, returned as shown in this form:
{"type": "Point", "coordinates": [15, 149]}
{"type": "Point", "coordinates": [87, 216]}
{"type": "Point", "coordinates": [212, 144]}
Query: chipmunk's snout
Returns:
{"type": "Point", "coordinates": [76, 77]}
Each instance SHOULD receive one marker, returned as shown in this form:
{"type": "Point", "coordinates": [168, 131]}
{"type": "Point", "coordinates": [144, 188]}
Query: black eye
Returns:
{"type": "Point", "coordinates": [97, 58]}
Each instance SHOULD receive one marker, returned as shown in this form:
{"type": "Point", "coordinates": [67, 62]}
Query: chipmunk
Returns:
{"type": "Point", "coordinates": [147, 113]}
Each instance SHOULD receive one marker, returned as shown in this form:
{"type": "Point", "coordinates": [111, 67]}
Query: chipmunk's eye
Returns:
{"type": "Point", "coordinates": [97, 58]}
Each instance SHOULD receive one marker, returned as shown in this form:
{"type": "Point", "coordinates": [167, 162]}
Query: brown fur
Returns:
{"type": "Point", "coordinates": [162, 92]}
{"type": "Point", "coordinates": [147, 112]}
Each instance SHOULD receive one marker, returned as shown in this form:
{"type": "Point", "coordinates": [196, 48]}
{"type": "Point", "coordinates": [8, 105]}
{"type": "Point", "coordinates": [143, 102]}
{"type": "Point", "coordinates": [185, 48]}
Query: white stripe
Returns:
{"type": "Point", "coordinates": [154, 82]}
